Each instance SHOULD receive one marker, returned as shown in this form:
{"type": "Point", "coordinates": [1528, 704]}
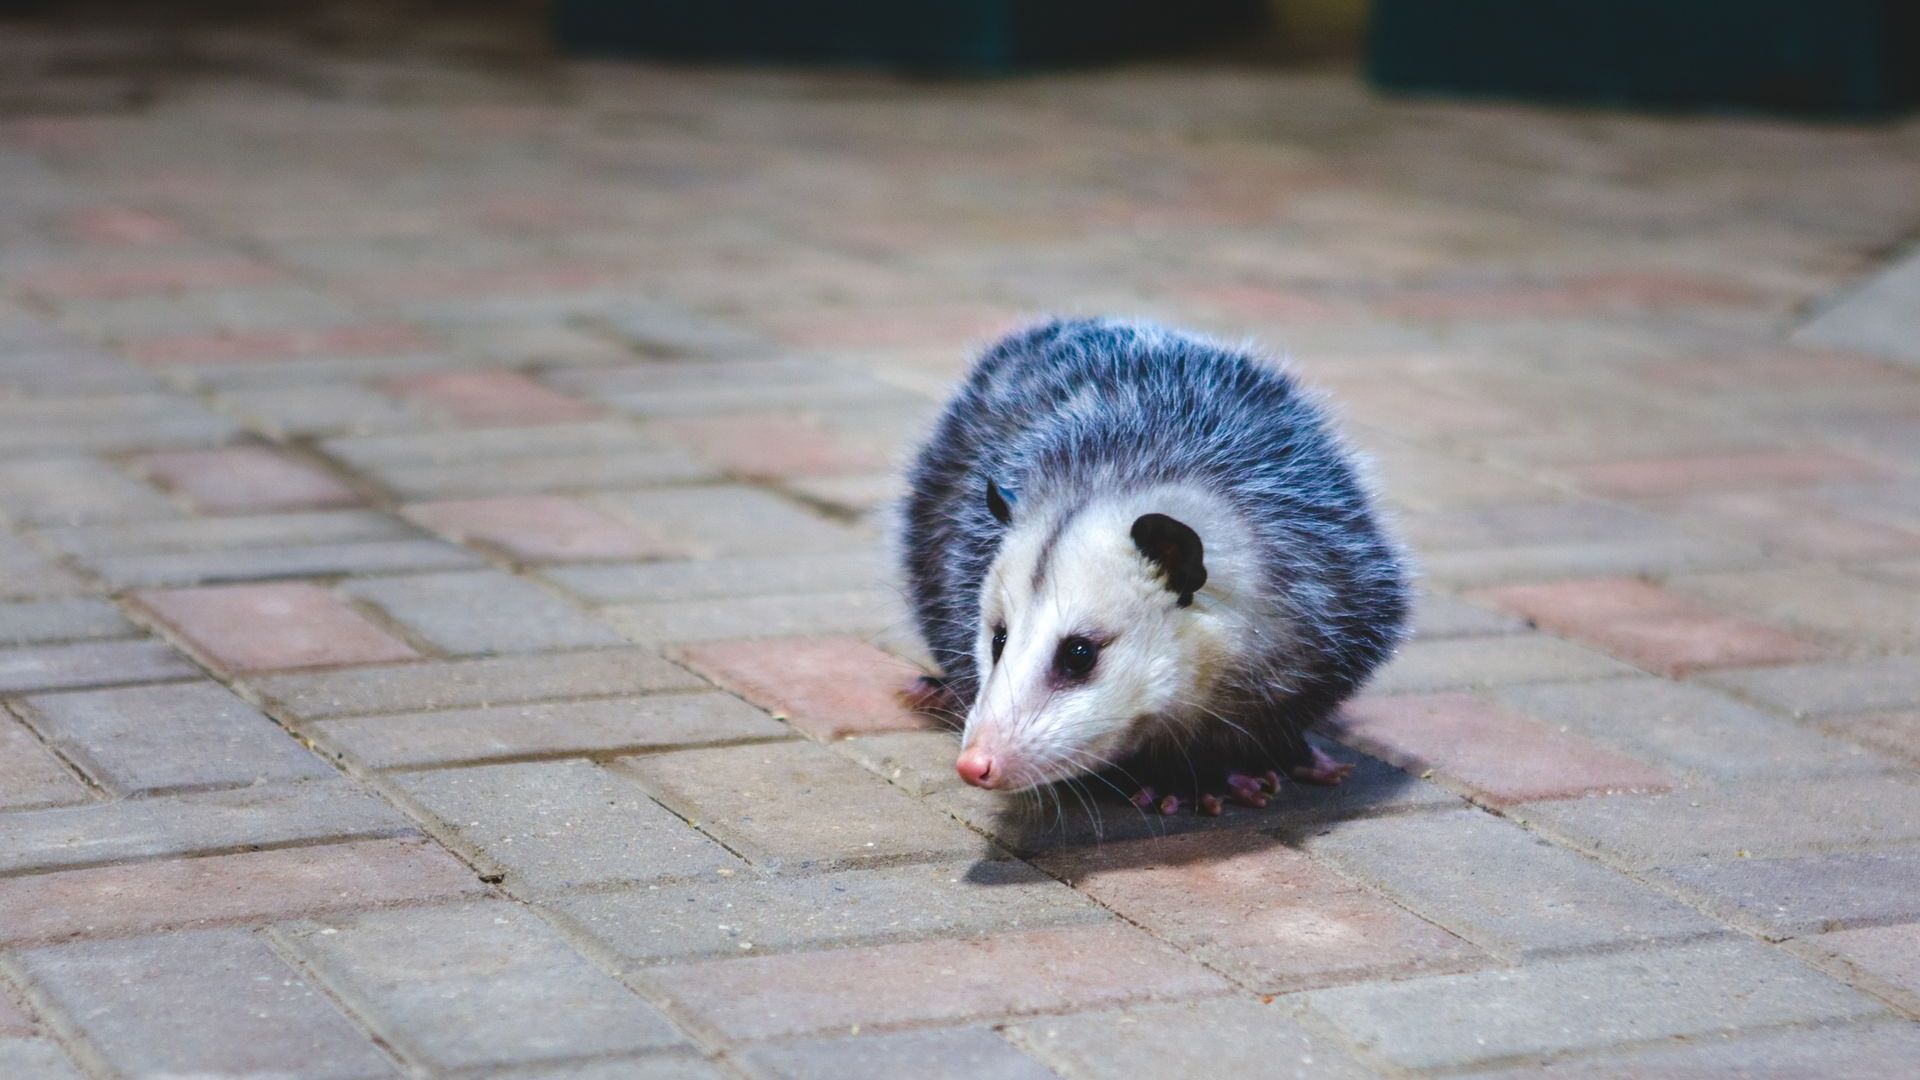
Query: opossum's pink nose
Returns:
{"type": "Point", "coordinates": [977, 766]}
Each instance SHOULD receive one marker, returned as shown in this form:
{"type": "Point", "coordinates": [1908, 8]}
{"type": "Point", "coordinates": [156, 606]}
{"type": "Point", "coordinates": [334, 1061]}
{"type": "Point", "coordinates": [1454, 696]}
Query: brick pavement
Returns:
{"type": "Point", "coordinates": [444, 628]}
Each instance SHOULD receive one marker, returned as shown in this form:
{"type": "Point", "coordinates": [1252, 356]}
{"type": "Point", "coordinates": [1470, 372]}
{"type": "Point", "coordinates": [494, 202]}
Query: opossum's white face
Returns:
{"type": "Point", "coordinates": [1095, 633]}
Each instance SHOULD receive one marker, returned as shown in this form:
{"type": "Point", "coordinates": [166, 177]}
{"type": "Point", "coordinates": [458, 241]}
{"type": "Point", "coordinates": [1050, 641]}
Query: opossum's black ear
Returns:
{"type": "Point", "coordinates": [1176, 549]}
{"type": "Point", "coordinates": [1000, 501]}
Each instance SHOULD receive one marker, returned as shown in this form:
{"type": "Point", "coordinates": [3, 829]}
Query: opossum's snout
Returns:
{"type": "Point", "coordinates": [1041, 715]}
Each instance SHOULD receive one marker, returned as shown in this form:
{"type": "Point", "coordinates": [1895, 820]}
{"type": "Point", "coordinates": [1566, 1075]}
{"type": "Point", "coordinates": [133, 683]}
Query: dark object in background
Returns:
{"type": "Point", "coordinates": [1845, 57]}
{"type": "Point", "coordinates": [941, 35]}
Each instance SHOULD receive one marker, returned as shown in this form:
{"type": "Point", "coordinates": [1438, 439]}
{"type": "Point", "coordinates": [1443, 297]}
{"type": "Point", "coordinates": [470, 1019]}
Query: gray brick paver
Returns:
{"type": "Point", "coordinates": [560, 824]}
{"type": "Point", "coordinates": [172, 737]}
{"type": "Point", "coordinates": [216, 1002]}
{"type": "Point", "coordinates": [1690, 990]}
{"type": "Point", "coordinates": [198, 822]}
{"type": "Point", "coordinates": [479, 985]}
{"type": "Point", "coordinates": [483, 612]}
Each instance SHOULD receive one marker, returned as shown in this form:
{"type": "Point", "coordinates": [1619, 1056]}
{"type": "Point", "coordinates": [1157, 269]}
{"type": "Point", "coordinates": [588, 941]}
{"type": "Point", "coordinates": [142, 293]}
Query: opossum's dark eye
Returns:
{"type": "Point", "coordinates": [1075, 657]}
{"type": "Point", "coordinates": [999, 642]}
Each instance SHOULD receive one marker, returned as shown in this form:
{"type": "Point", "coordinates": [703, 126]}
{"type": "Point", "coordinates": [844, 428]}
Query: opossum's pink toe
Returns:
{"type": "Point", "coordinates": [1256, 799]}
{"type": "Point", "coordinates": [1144, 798]}
{"type": "Point", "coordinates": [1271, 781]}
{"type": "Point", "coordinates": [1210, 805]}
{"type": "Point", "coordinates": [1242, 784]}
{"type": "Point", "coordinates": [1323, 770]}
{"type": "Point", "coordinates": [930, 695]}
{"type": "Point", "coordinates": [1170, 805]}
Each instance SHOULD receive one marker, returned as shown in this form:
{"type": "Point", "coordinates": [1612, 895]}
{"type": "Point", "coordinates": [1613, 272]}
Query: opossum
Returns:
{"type": "Point", "coordinates": [1137, 553]}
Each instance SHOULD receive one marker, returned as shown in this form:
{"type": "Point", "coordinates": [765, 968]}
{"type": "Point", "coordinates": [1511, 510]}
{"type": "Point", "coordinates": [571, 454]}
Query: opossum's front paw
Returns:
{"type": "Point", "coordinates": [1253, 791]}
{"type": "Point", "coordinates": [930, 695]}
{"type": "Point", "coordinates": [1321, 769]}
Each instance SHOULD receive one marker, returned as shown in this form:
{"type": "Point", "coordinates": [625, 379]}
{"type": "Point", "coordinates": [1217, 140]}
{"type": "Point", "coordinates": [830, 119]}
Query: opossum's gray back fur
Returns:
{"type": "Point", "coordinates": [1074, 408]}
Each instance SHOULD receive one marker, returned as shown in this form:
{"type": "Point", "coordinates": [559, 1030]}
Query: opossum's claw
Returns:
{"type": "Point", "coordinates": [1247, 790]}
{"type": "Point", "coordinates": [1322, 770]}
{"type": "Point", "coordinates": [1170, 805]}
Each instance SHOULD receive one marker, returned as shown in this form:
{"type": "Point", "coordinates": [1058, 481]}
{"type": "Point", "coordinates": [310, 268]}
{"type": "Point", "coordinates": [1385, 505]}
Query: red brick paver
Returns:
{"type": "Point", "coordinates": [1006, 974]}
{"type": "Point", "coordinates": [1502, 756]}
{"type": "Point", "coordinates": [538, 528]}
{"type": "Point", "coordinates": [490, 397]}
{"type": "Point", "coordinates": [828, 687]}
{"type": "Point", "coordinates": [1649, 626]}
{"type": "Point", "coordinates": [246, 479]}
{"type": "Point", "coordinates": [148, 896]}
{"type": "Point", "coordinates": [1677, 476]}
{"type": "Point", "coordinates": [273, 627]}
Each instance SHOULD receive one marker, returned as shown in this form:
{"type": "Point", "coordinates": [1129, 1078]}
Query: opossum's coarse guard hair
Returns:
{"type": "Point", "coordinates": [1080, 414]}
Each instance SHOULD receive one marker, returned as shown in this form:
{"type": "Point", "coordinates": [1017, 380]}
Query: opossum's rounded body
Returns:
{"type": "Point", "coordinates": [1173, 549]}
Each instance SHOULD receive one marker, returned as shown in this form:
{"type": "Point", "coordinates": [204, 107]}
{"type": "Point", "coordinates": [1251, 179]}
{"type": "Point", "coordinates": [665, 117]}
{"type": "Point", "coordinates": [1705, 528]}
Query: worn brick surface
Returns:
{"type": "Point", "coordinates": [1502, 756]}
{"type": "Point", "coordinates": [75, 491]}
{"type": "Point", "coordinates": [466, 614]}
{"type": "Point", "coordinates": [613, 725]}
{"type": "Point", "coordinates": [1266, 915]}
{"type": "Point", "coordinates": [30, 775]}
{"type": "Point", "coordinates": [489, 397]}
{"type": "Point", "coordinates": [1686, 991]}
{"type": "Point", "coordinates": [539, 528]}
{"type": "Point", "coordinates": [205, 1003]}
{"type": "Point", "coordinates": [1650, 627]}
{"type": "Point", "coordinates": [1849, 1052]}
{"type": "Point", "coordinates": [1234, 1036]}
{"type": "Point", "coordinates": [737, 913]}
{"type": "Point", "coordinates": [1760, 818]}
{"type": "Point", "coordinates": [1687, 728]}
{"type": "Point", "coordinates": [404, 688]}
{"type": "Point", "coordinates": [939, 980]}
{"type": "Point", "coordinates": [227, 534]}
{"type": "Point", "coordinates": [172, 737]}
{"type": "Point", "coordinates": [148, 896]}
{"type": "Point", "coordinates": [103, 663]}
{"type": "Point", "coordinates": [809, 614]}
{"type": "Point", "coordinates": [713, 579]}
{"type": "Point", "coordinates": [963, 1053]}
{"type": "Point", "coordinates": [1896, 733]}
{"type": "Point", "coordinates": [727, 520]}
{"type": "Point", "coordinates": [1500, 887]}
{"type": "Point", "coordinates": [34, 622]}
{"type": "Point", "coordinates": [770, 446]}
{"type": "Point", "coordinates": [246, 479]}
{"type": "Point", "coordinates": [562, 823]}
{"type": "Point", "coordinates": [478, 985]}
{"type": "Point", "coordinates": [827, 687]}
{"type": "Point", "coordinates": [520, 459]}
{"type": "Point", "coordinates": [150, 569]}
{"type": "Point", "coordinates": [797, 804]}
{"type": "Point", "coordinates": [1889, 955]}
{"type": "Point", "coordinates": [1891, 682]}
{"type": "Point", "coordinates": [273, 627]}
{"type": "Point", "coordinates": [1831, 604]}
{"type": "Point", "coordinates": [1807, 894]}
{"type": "Point", "coordinates": [197, 822]}
{"type": "Point", "coordinates": [1466, 663]}
{"type": "Point", "coordinates": [1669, 476]}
